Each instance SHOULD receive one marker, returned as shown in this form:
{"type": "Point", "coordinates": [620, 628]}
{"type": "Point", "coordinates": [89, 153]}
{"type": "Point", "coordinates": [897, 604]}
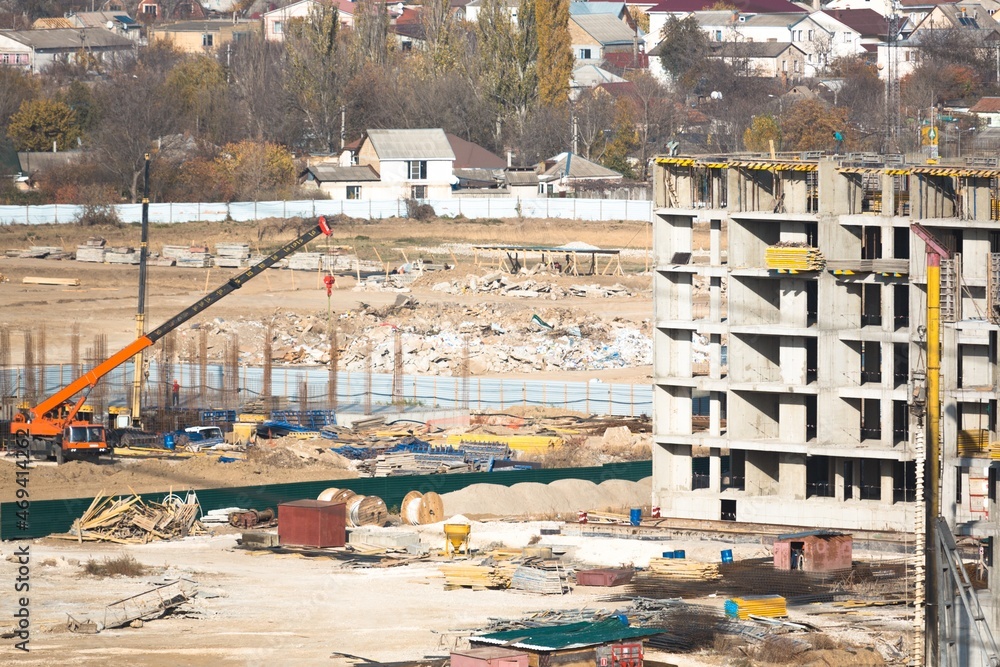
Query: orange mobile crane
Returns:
{"type": "Point", "coordinates": [53, 428]}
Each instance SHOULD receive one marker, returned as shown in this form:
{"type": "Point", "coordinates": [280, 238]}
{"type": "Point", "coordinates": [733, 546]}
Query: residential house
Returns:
{"type": "Point", "coordinates": [34, 50]}
{"type": "Point", "coordinates": [472, 9]}
{"type": "Point", "coordinates": [474, 166]}
{"type": "Point", "coordinates": [592, 36]}
{"type": "Point", "coordinates": [202, 36]}
{"type": "Point", "coordinates": [276, 20]}
{"type": "Point", "coordinates": [796, 27]}
{"type": "Point", "coordinates": [150, 11]}
{"type": "Point", "coordinates": [411, 164]}
{"type": "Point", "coordinates": [342, 182]}
{"type": "Point", "coordinates": [408, 30]}
{"type": "Point", "coordinates": [119, 23]}
{"type": "Point", "coordinates": [587, 76]}
{"type": "Point", "coordinates": [771, 60]}
{"type": "Point", "coordinates": [987, 109]}
{"type": "Point", "coordinates": [968, 18]}
{"type": "Point", "coordinates": [617, 9]}
{"type": "Point", "coordinates": [625, 61]}
{"type": "Point", "coordinates": [660, 13]}
{"type": "Point", "coordinates": [522, 182]}
{"type": "Point", "coordinates": [566, 171]}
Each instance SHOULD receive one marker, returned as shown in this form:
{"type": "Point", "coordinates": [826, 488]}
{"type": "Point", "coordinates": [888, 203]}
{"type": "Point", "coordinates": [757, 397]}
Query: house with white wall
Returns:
{"type": "Point", "coordinates": [276, 21]}
{"type": "Point", "coordinates": [411, 164]}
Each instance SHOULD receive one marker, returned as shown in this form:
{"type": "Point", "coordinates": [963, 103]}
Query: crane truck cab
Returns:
{"type": "Point", "coordinates": [54, 437]}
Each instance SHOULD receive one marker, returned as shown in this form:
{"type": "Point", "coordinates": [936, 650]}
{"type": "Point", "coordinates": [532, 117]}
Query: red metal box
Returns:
{"type": "Point", "coordinates": [604, 577]}
{"type": "Point", "coordinates": [489, 656]}
{"type": "Point", "coordinates": [311, 523]}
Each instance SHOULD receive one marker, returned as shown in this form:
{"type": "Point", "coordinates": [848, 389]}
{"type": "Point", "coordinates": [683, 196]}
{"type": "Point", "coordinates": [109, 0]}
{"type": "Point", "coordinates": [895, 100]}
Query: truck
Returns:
{"type": "Point", "coordinates": [57, 428]}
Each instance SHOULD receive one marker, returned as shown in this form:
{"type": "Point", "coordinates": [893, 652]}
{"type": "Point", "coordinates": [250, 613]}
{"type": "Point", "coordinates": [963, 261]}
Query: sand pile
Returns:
{"type": "Point", "coordinates": [566, 496]}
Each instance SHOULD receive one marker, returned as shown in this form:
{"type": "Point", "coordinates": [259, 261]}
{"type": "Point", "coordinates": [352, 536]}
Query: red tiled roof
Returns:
{"type": "Point", "coordinates": [746, 6]}
{"type": "Point", "coordinates": [986, 105]}
{"type": "Point", "coordinates": [865, 21]}
{"type": "Point", "coordinates": [626, 60]}
{"type": "Point", "coordinates": [473, 156]}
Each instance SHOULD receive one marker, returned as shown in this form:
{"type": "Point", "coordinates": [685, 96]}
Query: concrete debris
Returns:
{"type": "Point", "coordinates": [500, 283]}
{"type": "Point", "coordinates": [501, 338]}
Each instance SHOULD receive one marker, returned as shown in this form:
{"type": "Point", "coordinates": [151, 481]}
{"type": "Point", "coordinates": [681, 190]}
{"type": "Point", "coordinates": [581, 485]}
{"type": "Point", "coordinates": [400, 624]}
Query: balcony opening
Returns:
{"type": "Point", "coordinates": [812, 360]}
{"type": "Point", "coordinates": [900, 422]}
{"type": "Point", "coordinates": [871, 305]}
{"type": "Point", "coordinates": [871, 243]}
{"type": "Point", "coordinates": [848, 472]}
{"type": "Point", "coordinates": [818, 483]}
{"type": "Point", "coordinates": [900, 243]}
{"type": "Point", "coordinates": [900, 364]}
{"type": "Point", "coordinates": [871, 362]}
{"type": "Point", "coordinates": [871, 479]}
{"type": "Point", "coordinates": [700, 478]}
{"type": "Point", "coordinates": [812, 191]}
{"type": "Point", "coordinates": [904, 481]}
{"type": "Point", "coordinates": [871, 192]}
{"type": "Point", "coordinates": [871, 419]}
{"type": "Point", "coordinates": [811, 412]}
{"type": "Point", "coordinates": [812, 303]}
{"type": "Point", "coordinates": [900, 306]}
{"type": "Point", "coordinates": [734, 470]}
{"type": "Point", "coordinates": [728, 510]}
{"type": "Point", "coordinates": [901, 194]}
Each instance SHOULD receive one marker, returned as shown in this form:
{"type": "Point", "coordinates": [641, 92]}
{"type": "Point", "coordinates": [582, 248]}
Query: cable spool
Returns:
{"type": "Point", "coordinates": [328, 494]}
{"type": "Point", "coordinates": [431, 508]}
{"type": "Point", "coordinates": [366, 511]}
{"type": "Point", "coordinates": [409, 509]}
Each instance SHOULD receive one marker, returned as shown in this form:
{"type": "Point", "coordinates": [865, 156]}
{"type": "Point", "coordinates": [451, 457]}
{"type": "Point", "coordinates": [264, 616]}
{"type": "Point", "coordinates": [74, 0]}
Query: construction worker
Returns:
{"type": "Point", "coordinates": [176, 391]}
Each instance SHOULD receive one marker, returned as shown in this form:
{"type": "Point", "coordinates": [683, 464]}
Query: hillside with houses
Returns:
{"type": "Point", "coordinates": [250, 100]}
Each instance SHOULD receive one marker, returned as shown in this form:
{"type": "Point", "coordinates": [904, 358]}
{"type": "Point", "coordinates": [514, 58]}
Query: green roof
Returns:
{"type": "Point", "coordinates": [572, 635]}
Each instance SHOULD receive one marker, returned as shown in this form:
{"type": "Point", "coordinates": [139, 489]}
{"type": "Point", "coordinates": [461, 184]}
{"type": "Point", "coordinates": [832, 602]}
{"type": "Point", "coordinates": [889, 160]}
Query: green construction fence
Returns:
{"type": "Point", "coordinates": [45, 517]}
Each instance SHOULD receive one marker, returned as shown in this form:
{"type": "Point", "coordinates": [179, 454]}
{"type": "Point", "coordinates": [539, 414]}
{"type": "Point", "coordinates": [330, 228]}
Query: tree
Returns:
{"type": "Point", "coordinates": [624, 139]}
{"type": "Point", "coordinates": [654, 115]}
{"type": "Point", "coordinates": [257, 84]}
{"type": "Point", "coordinates": [763, 130]}
{"type": "Point", "coordinates": [371, 31]}
{"type": "Point", "coordinates": [640, 17]}
{"type": "Point", "coordinates": [257, 171]}
{"type": "Point", "coordinates": [555, 55]}
{"type": "Point", "coordinates": [595, 115]}
{"type": "Point", "coordinates": [198, 86]}
{"type": "Point", "coordinates": [15, 88]}
{"type": "Point", "coordinates": [81, 100]}
{"type": "Point", "coordinates": [809, 125]}
{"type": "Point", "coordinates": [316, 69]}
{"type": "Point", "coordinates": [440, 35]}
{"type": "Point", "coordinates": [39, 124]}
{"type": "Point", "coordinates": [508, 55]}
{"type": "Point", "coordinates": [684, 45]}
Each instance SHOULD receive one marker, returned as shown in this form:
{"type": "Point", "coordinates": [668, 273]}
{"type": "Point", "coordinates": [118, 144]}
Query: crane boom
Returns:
{"type": "Point", "coordinates": [46, 426]}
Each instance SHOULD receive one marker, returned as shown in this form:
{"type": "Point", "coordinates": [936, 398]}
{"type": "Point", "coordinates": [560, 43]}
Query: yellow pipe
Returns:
{"type": "Point", "coordinates": [933, 385]}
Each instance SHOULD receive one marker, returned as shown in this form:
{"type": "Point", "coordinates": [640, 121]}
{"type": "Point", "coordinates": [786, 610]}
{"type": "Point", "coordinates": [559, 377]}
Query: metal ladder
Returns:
{"type": "Point", "coordinates": [952, 576]}
{"type": "Point", "coordinates": [993, 289]}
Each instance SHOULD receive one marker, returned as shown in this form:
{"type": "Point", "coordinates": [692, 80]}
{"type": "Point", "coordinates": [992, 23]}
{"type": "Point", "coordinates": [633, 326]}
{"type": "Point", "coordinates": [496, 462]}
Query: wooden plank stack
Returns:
{"type": "Point", "coordinates": [478, 577]}
{"type": "Point", "coordinates": [543, 577]}
{"type": "Point", "coordinates": [793, 257]}
{"type": "Point", "coordinates": [683, 570]}
{"type": "Point", "coordinates": [768, 606]}
{"type": "Point", "coordinates": [130, 520]}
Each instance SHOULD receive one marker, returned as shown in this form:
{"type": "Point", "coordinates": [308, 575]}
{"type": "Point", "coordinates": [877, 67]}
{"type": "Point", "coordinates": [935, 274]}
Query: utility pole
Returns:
{"type": "Point", "coordinates": [140, 312]}
{"type": "Point", "coordinates": [343, 127]}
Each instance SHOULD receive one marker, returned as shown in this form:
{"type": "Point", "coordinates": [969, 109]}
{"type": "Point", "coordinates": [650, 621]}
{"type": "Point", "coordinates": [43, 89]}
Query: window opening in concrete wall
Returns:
{"type": "Point", "coordinates": [900, 364]}
{"type": "Point", "coordinates": [900, 422]}
{"type": "Point", "coordinates": [812, 191]}
{"type": "Point", "coordinates": [904, 481]}
{"type": "Point", "coordinates": [960, 472]}
{"type": "Point", "coordinates": [871, 362]}
{"type": "Point", "coordinates": [812, 303]}
{"type": "Point", "coordinates": [848, 474]}
{"type": "Point", "coordinates": [871, 479]}
{"type": "Point", "coordinates": [991, 491]}
{"type": "Point", "coordinates": [734, 470]}
{"type": "Point", "coordinates": [871, 419]}
{"type": "Point", "coordinates": [901, 194]}
{"type": "Point", "coordinates": [700, 478]}
{"type": "Point", "coordinates": [871, 242]}
{"type": "Point", "coordinates": [871, 305]}
{"type": "Point", "coordinates": [900, 306]}
{"type": "Point", "coordinates": [871, 192]}
{"type": "Point", "coordinates": [811, 412]}
{"type": "Point", "coordinates": [818, 483]}
{"type": "Point", "coordinates": [812, 360]}
{"type": "Point", "coordinates": [995, 200]}
{"type": "Point", "coordinates": [900, 243]}
{"type": "Point", "coordinates": [728, 508]}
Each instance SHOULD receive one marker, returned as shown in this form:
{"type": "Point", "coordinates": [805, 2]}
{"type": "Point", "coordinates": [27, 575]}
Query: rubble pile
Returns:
{"type": "Point", "coordinates": [506, 285]}
{"type": "Point", "coordinates": [500, 337]}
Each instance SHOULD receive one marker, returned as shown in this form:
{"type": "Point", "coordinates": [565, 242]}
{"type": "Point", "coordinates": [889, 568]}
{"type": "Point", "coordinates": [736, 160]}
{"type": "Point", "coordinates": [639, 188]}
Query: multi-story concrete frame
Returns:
{"type": "Point", "coordinates": [810, 420]}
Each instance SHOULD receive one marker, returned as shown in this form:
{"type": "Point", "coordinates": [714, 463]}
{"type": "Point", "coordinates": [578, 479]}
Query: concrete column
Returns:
{"type": "Point", "coordinates": [761, 473]}
{"type": "Point", "coordinates": [792, 356]}
{"type": "Point", "coordinates": [838, 478]}
{"type": "Point", "coordinates": [792, 476]}
{"type": "Point", "coordinates": [715, 356]}
{"type": "Point", "coordinates": [885, 474]}
{"type": "Point", "coordinates": [715, 414]}
{"type": "Point", "coordinates": [715, 471]}
{"type": "Point", "coordinates": [856, 474]}
{"type": "Point", "coordinates": [792, 418]}
{"type": "Point", "coordinates": [715, 242]}
{"type": "Point", "coordinates": [792, 301]}
{"type": "Point", "coordinates": [715, 299]}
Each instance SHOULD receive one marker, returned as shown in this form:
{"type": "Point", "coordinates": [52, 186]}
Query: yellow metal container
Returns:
{"type": "Point", "coordinates": [244, 432]}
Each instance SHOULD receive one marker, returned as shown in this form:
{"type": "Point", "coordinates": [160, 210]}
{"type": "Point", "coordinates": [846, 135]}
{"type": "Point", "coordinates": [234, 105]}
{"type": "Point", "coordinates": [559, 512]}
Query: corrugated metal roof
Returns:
{"type": "Point", "coordinates": [51, 23]}
{"type": "Point", "coordinates": [581, 8]}
{"type": "Point", "coordinates": [604, 28]}
{"type": "Point", "coordinates": [66, 38]}
{"type": "Point", "coordinates": [521, 177]}
{"type": "Point", "coordinates": [326, 173]}
{"type": "Point", "coordinates": [426, 144]}
{"type": "Point", "coordinates": [579, 167]}
{"type": "Point", "coordinates": [570, 635]}
{"type": "Point", "coordinates": [811, 533]}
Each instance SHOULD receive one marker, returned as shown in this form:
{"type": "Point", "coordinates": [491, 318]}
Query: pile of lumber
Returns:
{"type": "Point", "coordinates": [794, 257]}
{"type": "Point", "coordinates": [478, 577]}
{"type": "Point", "coordinates": [130, 520]}
{"type": "Point", "coordinates": [544, 577]}
{"type": "Point", "coordinates": [685, 570]}
{"type": "Point", "coordinates": [767, 606]}
{"type": "Point", "coordinates": [410, 463]}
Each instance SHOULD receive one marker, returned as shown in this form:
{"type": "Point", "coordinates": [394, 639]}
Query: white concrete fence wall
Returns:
{"type": "Point", "coordinates": [489, 207]}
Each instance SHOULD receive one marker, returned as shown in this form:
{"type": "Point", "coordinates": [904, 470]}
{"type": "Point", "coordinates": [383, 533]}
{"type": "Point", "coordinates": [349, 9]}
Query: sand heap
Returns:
{"type": "Point", "coordinates": [565, 496]}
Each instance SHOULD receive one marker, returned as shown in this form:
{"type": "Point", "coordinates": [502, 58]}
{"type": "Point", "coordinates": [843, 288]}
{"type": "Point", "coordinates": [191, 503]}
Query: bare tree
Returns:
{"type": "Point", "coordinates": [371, 31]}
{"type": "Point", "coordinates": [257, 82]}
{"type": "Point", "coordinates": [595, 116]}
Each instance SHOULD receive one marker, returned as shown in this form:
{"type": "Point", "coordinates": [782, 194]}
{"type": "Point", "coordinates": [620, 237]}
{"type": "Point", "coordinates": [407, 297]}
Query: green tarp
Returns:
{"type": "Point", "coordinates": [571, 635]}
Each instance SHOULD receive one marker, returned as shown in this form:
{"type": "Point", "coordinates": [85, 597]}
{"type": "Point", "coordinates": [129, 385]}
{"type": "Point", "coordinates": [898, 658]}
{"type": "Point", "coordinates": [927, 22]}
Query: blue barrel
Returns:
{"type": "Point", "coordinates": [635, 516]}
{"type": "Point", "coordinates": [622, 618]}
{"type": "Point", "coordinates": [727, 556]}
{"type": "Point", "coordinates": [679, 553]}
{"type": "Point", "coordinates": [168, 441]}
{"type": "Point", "coordinates": [668, 554]}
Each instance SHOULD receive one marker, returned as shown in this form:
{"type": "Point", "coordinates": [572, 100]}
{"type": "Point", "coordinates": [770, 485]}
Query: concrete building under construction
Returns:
{"type": "Point", "coordinates": [807, 270]}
